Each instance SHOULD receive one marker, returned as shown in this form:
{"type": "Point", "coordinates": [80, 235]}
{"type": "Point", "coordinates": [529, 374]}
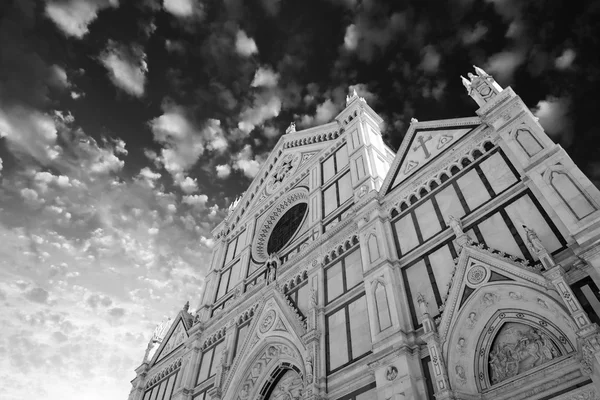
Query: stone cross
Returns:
{"type": "Point", "coordinates": [422, 144]}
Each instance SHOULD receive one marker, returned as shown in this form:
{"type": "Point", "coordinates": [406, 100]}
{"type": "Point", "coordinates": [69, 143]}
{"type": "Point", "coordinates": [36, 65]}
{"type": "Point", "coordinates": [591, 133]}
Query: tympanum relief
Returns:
{"type": "Point", "coordinates": [517, 349]}
{"type": "Point", "coordinates": [289, 387]}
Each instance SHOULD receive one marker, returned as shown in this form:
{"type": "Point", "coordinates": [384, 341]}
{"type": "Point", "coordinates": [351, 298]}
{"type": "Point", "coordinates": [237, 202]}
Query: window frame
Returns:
{"type": "Point", "coordinates": [211, 364]}
{"type": "Point", "coordinates": [149, 390]}
{"type": "Point", "coordinates": [342, 260]}
{"type": "Point", "coordinates": [351, 359]}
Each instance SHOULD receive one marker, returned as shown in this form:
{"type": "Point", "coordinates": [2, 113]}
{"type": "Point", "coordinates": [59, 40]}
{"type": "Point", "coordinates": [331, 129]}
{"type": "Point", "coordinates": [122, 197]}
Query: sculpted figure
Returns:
{"type": "Point", "coordinates": [456, 225]}
{"type": "Point", "coordinates": [533, 241]}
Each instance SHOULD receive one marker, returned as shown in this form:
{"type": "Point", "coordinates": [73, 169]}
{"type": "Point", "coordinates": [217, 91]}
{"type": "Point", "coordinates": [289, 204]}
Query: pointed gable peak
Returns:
{"type": "Point", "coordinates": [176, 335]}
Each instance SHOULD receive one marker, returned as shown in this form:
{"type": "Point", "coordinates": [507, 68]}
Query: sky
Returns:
{"type": "Point", "coordinates": [127, 127]}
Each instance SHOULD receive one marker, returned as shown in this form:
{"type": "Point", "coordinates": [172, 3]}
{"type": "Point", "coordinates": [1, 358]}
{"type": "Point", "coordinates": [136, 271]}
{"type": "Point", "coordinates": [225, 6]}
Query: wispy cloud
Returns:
{"type": "Point", "coordinates": [74, 16]}
{"type": "Point", "coordinates": [127, 67]}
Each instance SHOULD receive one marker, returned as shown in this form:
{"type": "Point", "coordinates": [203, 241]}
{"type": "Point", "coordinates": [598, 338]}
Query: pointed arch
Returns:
{"type": "Point", "coordinates": [382, 306]}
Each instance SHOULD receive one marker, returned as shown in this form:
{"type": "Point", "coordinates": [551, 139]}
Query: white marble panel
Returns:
{"type": "Point", "coordinates": [497, 235]}
{"type": "Point", "coordinates": [442, 265]}
{"type": "Point", "coordinates": [345, 188]}
{"type": "Point", "coordinates": [338, 340]}
{"type": "Point", "coordinates": [427, 220]}
{"type": "Point", "coordinates": [407, 235]}
{"type": "Point", "coordinates": [354, 269]}
{"type": "Point", "coordinates": [449, 203]}
{"type": "Point", "coordinates": [498, 173]}
{"type": "Point", "coordinates": [360, 331]}
{"type": "Point", "coordinates": [328, 169]}
{"type": "Point", "coordinates": [330, 199]}
{"type": "Point", "coordinates": [524, 212]}
{"type": "Point", "coordinates": [473, 190]}
{"type": "Point", "coordinates": [334, 281]}
{"type": "Point", "coordinates": [341, 157]}
{"type": "Point", "coordinates": [418, 281]}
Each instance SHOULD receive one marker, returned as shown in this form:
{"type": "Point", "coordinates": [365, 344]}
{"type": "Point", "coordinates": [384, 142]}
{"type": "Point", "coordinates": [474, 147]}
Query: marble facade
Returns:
{"type": "Point", "coordinates": [465, 266]}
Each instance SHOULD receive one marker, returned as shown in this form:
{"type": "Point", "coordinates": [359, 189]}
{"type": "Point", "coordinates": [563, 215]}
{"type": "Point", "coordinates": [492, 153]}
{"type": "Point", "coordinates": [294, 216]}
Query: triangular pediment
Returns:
{"type": "Point", "coordinates": [284, 169]}
{"type": "Point", "coordinates": [425, 142]}
{"type": "Point", "coordinates": [274, 319]}
{"type": "Point", "coordinates": [175, 337]}
{"type": "Point", "coordinates": [478, 267]}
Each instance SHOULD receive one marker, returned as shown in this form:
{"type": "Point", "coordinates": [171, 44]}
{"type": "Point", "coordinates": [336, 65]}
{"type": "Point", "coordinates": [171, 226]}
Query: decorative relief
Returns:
{"type": "Point", "coordinates": [282, 172]}
{"type": "Point", "coordinates": [490, 299]}
{"type": "Point", "coordinates": [289, 387]}
{"type": "Point", "coordinates": [391, 373]}
{"type": "Point", "coordinates": [460, 374]}
{"type": "Point", "coordinates": [460, 346]}
{"type": "Point", "coordinates": [518, 348]}
{"type": "Point", "coordinates": [476, 275]}
{"type": "Point", "coordinates": [471, 320]}
{"type": "Point", "coordinates": [267, 321]}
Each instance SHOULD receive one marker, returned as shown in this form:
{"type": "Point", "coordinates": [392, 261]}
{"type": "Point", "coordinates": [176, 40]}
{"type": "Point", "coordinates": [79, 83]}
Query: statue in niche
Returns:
{"type": "Point", "coordinates": [517, 349]}
{"type": "Point", "coordinates": [391, 373]}
{"type": "Point", "coordinates": [272, 264]}
{"type": "Point", "coordinates": [533, 241]}
{"type": "Point", "coordinates": [456, 225]}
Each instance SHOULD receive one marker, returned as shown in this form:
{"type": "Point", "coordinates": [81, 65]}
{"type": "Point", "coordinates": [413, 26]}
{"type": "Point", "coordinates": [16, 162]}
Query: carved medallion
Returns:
{"type": "Point", "coordinates": [391, 373]}
{"type": "Point", "coordinates": [476, 275]}
{"type": "Point", "coordinates": [282, 172]}
{"type": "Point", "coordinates": [267, 321]}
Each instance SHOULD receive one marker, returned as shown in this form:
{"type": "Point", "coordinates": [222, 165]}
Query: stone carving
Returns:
{"type": "Point", "coordinates": [471, 320]}
{"type": "Point", "coordinates": [460, 374]}
{"type": "Point", "coordinates": [267, 321]}
{"type": "Point", "coordinates": [542, 304]}
{"type": "Point", "coordinates": [489, 299]}
{"type": "Point", "coordinates": [517, 349]}
{"type": "Point", "coordinates": [289, 387]}
{"type": "Point", "coordinates": [460, 346]}
{"type": "Point", "coordinates": [283, 171]}
{"type": "Point", "coordinates": [534, 244]}
{"type": "Point", "coordinates": [456, 225]}
{"type": "Point", "coordinates": [313, 298]}
{"type": "Point", "coordinates": [309, 368]}
{"type": "Point", "coordinates": [391, 373]}
{"type": "Point", "coordinates": [476, 275]}
{"type": "Point", "coordinates": [515, 295]}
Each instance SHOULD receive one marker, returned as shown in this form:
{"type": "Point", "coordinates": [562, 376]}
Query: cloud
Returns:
{"type": "Point", "coordinates": [371, 33]}
{"type": "Point", "coordinates": [37, 295]}
{"type": "Point", "coordinates": [2, 165]}
{"type": "Point", "coordinates": [504, 64]}
{"type": "Point", "coordinates": [96, 300]}
{"type": "Point", "coordinates": [116, 312]}
{"type": "Point", "coordinates": [351, 37]}
{"type": "Point", "coordinates": [431, 59]}
{"type": "Point", "coordinates": [29, 131]}
{"type": "Point", "coordinates": [180, 8]}
{"type": "Point", "coordinates": [565, 60]}
{"type": "Point", "coordinates": [127, 67]}
{"type": "Point", "coordinates": [244, 45]}
{"type": "Point", "coordinates": [324, 113]}
{"type": "Point", "coordinates": [223, 171]}
{"type": "Point", "coordinates": [271, 6]}
{"type": "Point", "coordinates": [74, 16]}
{"type": "Point", "coordinates": [265, 77]}
{"type": "Point", "coordinates": [196, 200]}
{"type": "Point", "coordinates": [245, 162]}
{"type": "Point", "coordinates": [264, 107]}
{"type": "Point", "coordinates": [473, 36]}
{"type": "Point", "coordinates": [189, 185]}
{"type": "Point", "coordinates": [553, 114]}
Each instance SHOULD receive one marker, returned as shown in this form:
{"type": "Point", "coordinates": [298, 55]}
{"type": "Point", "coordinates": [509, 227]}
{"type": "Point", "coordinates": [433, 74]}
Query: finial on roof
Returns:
{"type": "Point", "coordinates": [466, 83]}
{"type": "Point", "coordinates": [291, 128]}
{"type": "Point", "coordinates": [413, 120]}
{"type": "Point", "coordinates": [352, 94]}
{"type": "Point", "coordinates": [480, 71]}
{"type": "Point", "coordinates": [186, 306]}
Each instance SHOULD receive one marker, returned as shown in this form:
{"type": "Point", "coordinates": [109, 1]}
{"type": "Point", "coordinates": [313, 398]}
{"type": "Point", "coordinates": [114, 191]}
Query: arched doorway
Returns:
{"type": "Point", "coordinates": [284, 383]}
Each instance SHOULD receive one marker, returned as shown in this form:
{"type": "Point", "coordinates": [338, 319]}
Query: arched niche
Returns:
{"type": "Point", "coordinates": [476, 325]}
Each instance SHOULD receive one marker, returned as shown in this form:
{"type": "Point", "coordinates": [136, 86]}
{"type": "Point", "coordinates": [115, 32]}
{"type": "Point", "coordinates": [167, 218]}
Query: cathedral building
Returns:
{"type": "Point", "coordinates": [464, 266]}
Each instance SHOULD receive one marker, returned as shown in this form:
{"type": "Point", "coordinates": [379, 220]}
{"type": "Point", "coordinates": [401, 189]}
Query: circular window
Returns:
{"type": "Point", "coordinates": [286, 228]}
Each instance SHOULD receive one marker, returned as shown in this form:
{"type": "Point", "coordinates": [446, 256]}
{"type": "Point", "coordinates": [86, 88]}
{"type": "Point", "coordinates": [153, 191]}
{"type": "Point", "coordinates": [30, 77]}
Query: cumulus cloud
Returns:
{"type": "Point", "coordinates": [264, 107]}
{"type": "Point", "coordinates": [74, 16]}
{"type": "Point", "coordinates": [180, 8]}
{"type": "Point", "coordinates": [324, 113]}
{"type": "Point", "coordinates": [351, 37]}
{"type": "Point", "coordinates": [504, 64]}
{"type": "Point", "coordinates": [370, 35]}
{"type": "Point", "coordinates": [565, 60]}
{"type": "Point", "coordinates": [189, 185]}
{"type": "Point", "coordinates": [126, 66]}
{"type": "Point", "coordinates": [245, 162]}
{"type": "Point", "coordinates": [2, 165]}
{"type": "Point", "coordinates": [223, 171]}
{"type": "Point", "coordinates": [553, 114]}
{"type": "Point", "coordinates": [265, 77]}
{"type": "Point", "coordinates": [195, 200]}
{"type": "Point", "coordinates": [473, 36]}
{"type": "Point", "coordinates": [29, 131]}
{"type": "Point", "coordinates": [245, 45]}
{"type": "Point", "coordinates": [431, 59]}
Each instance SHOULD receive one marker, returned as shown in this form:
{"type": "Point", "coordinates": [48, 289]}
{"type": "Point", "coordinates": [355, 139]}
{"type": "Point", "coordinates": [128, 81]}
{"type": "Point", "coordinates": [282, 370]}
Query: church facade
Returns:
{"type": "Point", "coordinates": [464, 266]}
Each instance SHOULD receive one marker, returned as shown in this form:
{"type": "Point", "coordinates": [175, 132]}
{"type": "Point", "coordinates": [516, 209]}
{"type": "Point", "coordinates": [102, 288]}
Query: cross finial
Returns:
{"type": "Point", "coordinates": [413, 120]}
{"type": "Point", "coordinates": [480, 71]}
{"type": "Point", "coordinates": [186, 306]}
{"type": "Point", "coordinates": [352, 94]}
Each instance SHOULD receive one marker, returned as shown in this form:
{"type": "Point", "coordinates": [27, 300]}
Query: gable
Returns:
{"type": "Point", "coordinates": [177, 336]}
{"type": "Point", "coordinates": [281, 171]}
{"type": "Point", "coordinates": [425, 142]}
